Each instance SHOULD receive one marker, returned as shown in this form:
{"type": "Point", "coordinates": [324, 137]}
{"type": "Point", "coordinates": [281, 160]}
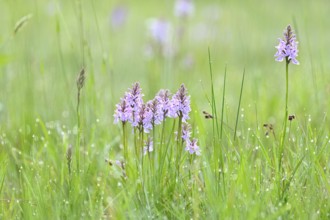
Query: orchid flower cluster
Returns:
{"type": "Point", "coordinates": [145, 116]}
{"type": "Point", "coordinates": [288, 47]}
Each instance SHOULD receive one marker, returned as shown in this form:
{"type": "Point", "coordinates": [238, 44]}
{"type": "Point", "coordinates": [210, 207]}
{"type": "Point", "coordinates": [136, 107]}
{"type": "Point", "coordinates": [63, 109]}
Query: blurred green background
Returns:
{"type": "Point", "coordinates": [39, 63]}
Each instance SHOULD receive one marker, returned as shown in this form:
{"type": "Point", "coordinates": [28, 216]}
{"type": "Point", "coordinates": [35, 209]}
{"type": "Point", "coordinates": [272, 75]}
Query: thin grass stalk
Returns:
{"type": "Point", "coordinates": [239, 104]}
{"type": "Point", "coordinates": [78, 134]}
{"type": "Point", "coordinates": [179, 144]}
{"type": "Point", "coordinates": [145, 192]}
{"type": "Point", "coordinates": [161, 156]}
{"type": "Point", "coordinates": [172, 148]}
{"type": "Point", "coordinates": [223, 101]}
{"type": "Point", "coordinates": [215, 127]}
{"type": "Point", "coordinates": [213, 103]}
{"type": "Point", "coordinates": [221, 161]}
{"type": "Point", "coordinates": [80, 83]}
{"type": "Point", "coordinates": [81, 37]}
{"type": "Point", "coordinates": [287, 185]}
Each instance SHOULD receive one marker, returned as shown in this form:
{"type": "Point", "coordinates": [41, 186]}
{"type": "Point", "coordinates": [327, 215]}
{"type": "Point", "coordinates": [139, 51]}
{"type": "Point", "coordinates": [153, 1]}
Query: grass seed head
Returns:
{"type": "Point", "coordinates": [81, 79]}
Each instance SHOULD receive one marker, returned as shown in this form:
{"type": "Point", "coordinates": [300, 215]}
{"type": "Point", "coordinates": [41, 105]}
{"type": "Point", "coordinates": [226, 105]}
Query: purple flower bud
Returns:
{"type": "Point", "coordinates": [180, 104]}
{"type": "Point", "coordinates": [192, 147]}
{"type": "Point", "coordinates": [157, 115]}
{"type": "Point", "coordinates": [287, 47]}
{"type": "Point", "coordinates": [123, 112]}
{"type": "Point", "coordinates": [163, 98]}
{"type": "Point", "coordinates": [134, 96]}
{"type": "Point", "coordinates": [129, 106]}
{"type": "Point", "coordinates": [144, 119]}
{"type": "Point", "coordinates": [184, 8]}
{"type": "Point", "coordinates": [134, 99]}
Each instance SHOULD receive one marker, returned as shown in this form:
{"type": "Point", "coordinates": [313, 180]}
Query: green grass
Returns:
{"type": "Point", "coordinates": [236, 177]}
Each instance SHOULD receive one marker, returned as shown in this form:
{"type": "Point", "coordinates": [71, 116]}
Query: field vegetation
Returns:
{"type": "Point", "coordinates": [88, 129]}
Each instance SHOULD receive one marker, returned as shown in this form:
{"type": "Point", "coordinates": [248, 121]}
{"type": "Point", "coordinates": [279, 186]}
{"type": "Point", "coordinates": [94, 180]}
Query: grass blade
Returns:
{"type": "Point", "coordinates": [223, 101]}
{"type": "Point", "coordinates": [239, 104]}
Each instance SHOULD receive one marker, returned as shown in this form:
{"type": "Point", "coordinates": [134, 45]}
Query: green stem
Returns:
{"type": "Point", "coordinates": [153, 156]}
{"type": "Point", "coordinates": [239, 104]}
{"type": "Point", "coordinates": [161, 156]}
{"type": "Point", "coordinates": [179, 143]}
{"type": "Point", "coordinates": [141, 146]}
{"type": "Point", "coordinates": [281, 150]}
{"type": "Point", "coordinates": [215, 127]}
{"type": "Point", "coordinates": [135, 144]}
{"type": "Point", "coordinates": [221, 160]}
{"type": "Point", "coordinates": [78, 134]}
{"type": "Point", "coordinates": [285, 114]}
{"type": "Point", "coordinates": [125, 144]}
{"type": "Point", "coordinates": [170, 162]}
{"type": "Point", "coordinates": [223, 101]}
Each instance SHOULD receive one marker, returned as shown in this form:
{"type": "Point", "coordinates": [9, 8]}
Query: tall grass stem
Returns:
{"type": "Point", "coordinates": [239, 104]}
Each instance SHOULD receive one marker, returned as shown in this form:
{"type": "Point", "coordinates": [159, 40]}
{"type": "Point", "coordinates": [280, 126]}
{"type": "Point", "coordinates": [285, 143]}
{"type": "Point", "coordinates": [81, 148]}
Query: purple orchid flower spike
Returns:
{"type": "Point", "coordinates": [134, 99]}
{"type": "Point", "coordinates": [129, 106]}
{"type": "Point", "coordinates": [164, 101]}
{"type": "Point", "coordinates": [180, 104]}
{"type": "Point", "coordinates": [156, 112]}
{"type": "Point", "coordinates": [192, 147]}
{"type": "Point", "coordinates": [123, 112]}
{"type": "Point", "coordinates": [288, 47]}
{"type": "Point", "coordinates": [144, 119]}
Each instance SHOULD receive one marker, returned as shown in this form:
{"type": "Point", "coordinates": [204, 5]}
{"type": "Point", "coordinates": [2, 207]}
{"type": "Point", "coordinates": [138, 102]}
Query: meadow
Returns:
{"type": "Point", "coordinates": [66, 65]}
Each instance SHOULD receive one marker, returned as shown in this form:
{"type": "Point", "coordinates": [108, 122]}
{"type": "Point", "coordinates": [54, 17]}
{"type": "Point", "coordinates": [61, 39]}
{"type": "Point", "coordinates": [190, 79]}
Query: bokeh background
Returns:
{"type": "Point", "coordinates": [113, 41]}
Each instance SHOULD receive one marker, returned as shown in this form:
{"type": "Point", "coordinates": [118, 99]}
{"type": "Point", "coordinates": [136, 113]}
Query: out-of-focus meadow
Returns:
{"type": "Point", "coordinates": [45, 44]}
